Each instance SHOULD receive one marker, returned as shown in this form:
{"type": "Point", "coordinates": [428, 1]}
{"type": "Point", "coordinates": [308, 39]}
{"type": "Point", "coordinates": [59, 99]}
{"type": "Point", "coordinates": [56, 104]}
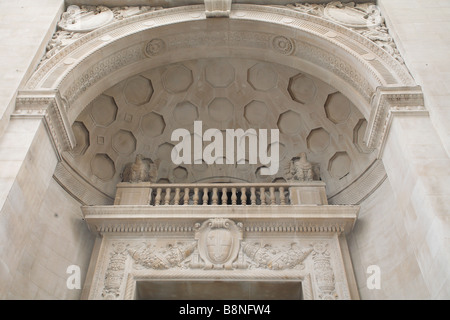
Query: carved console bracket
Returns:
{"type": "Point", "coordinates": [217, 8]}
{"type": "Point", "coordinates": [48, 105]}
{"type": "Point", "coordinates": [386, 103]}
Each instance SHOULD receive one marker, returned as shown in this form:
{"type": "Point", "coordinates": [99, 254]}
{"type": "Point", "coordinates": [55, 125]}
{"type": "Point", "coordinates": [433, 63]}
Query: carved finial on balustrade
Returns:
{"type": "Point", "coordinates": [141, 170]}
{"type": "Point", "coordinates": [300, 169]}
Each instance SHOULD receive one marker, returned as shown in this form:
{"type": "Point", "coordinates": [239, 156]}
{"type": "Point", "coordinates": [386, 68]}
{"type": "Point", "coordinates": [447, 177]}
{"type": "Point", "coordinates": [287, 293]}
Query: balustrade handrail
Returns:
{"type": "Point", "coordinates": [226, 184]}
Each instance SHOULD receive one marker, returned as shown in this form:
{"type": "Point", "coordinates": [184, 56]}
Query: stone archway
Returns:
{"type": "Point", "coordinates": [335, 55]}
{"type": "Point", "coordinates": [398, 126]}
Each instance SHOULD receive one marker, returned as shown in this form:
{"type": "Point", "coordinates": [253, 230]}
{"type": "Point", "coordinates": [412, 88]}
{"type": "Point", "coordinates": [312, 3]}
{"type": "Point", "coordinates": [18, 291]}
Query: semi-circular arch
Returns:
{"type": "Point", "coordinates": [338, 56]}
{"type": "Point", "coordinates": [104, 57]}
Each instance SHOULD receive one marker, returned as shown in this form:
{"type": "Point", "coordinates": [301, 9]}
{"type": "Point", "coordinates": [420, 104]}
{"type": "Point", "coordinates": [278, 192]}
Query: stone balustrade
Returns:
{"type": "Point", "coordinates": [221, 194]}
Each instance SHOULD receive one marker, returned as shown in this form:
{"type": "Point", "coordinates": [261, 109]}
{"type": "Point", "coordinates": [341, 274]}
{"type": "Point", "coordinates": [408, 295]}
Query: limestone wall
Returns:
{"type": "Point", "coordinates": [403, 227]}
{"type": "Point", "coordinates": [420, 29]}
{"type": "Point", "coordinates": [380, 238]}
{"type": "Point", "coordinates": [25, 29]}
{"type": "Point", "coordinates": [41, 229]}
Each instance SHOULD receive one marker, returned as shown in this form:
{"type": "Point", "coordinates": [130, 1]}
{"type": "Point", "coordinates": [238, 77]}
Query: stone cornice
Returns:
{"type": "Point", "coordinates": [182, 219]}
{"type": "Point", "coordinates": [388, 102]}
{"type": "Point", "coordinates": [48, 105]}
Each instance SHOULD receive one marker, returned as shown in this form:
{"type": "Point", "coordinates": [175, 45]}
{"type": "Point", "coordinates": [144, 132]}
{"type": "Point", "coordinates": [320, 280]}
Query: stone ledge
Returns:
{"type": "Point", "coordinates": [182, 219]}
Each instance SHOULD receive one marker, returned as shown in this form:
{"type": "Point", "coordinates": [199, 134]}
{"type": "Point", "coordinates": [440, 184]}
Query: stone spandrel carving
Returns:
{"type": "Point", "coordinates": [141, 170]}
{"type": "Point", "coordinates": [85, 18]}
{"type": "Point", "coordinates": [300, 169]}
{"type": "Point", "coordinates": [363, 18]}
{"type": "Point", "coordinates": [76, 21]}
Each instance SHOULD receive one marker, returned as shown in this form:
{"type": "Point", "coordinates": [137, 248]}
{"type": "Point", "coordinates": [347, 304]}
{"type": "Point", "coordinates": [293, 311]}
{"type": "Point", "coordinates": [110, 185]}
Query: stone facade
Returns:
{"type": "Point", "coordinates": [349, 85]}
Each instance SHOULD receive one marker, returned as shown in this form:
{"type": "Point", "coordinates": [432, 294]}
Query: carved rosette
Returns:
{"type": "Point", "coordinates": [283, 45]}
{"type": "Point", "coordinates": [155, 47]}
{"type": "Point", "coordinates": [115, 271]}
{"type": "Point", "coordinates": [323, 271]}
{"type": "Point", "coordinates": [218, 242]}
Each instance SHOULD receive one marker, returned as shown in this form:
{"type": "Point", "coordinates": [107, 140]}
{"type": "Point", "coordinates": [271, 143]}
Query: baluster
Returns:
{"type": "Point", "coordinates": [272, 196]}
{"type": "Point", "coordinates": [262, 195]}
{"type": "Point", "coordinates": [215, 197]}
{"type": "Point", "coordinates": [243, 196]}
{"type": "Point", "coordinates": [158, 197]}
{"type": "Point", "coordinates": [167, 197]}
{"type": "Point", "coordinates": [233, 196]}
{"type": "Point", "coordinates": [224, 196]}
{"type": "Point", "coordinates": [195, 197]}
{"type": "Point", "coordinates": [176, 200]}
{"type": "Point", "coordinates": [253, 196]}
{"type": "Point", "coordinates": [282, 196]}
{"type": "Point", "coordinates": [205, 196]}
{"type": "Point", "coordinates": [186, 196]}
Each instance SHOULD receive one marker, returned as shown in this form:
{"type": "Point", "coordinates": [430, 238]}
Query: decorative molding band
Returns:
{"type": "Point", "coordinates": [79, 188]}
{"type": "Point", "coordinates": [367, 182]}
{"type": "Point", "coordinates": [48, 105]}
{"type": "Point", "coordinates": [388, 102]}
{"type": "Point", "coordinates": [374, 58]}
{"type": "Point", "coordinates": [168, 219]}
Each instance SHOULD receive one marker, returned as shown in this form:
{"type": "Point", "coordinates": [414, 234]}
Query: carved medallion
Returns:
{"type": "Point", "coordinates": [353, 16]}
{"type": "Point", "coordinates": [155, 47]}
{"type": "Point", "coordinates": [218, 242]}
{"type": "Point", "coordinates": [283, 45]}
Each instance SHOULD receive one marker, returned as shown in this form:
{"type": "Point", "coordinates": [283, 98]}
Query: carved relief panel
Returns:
{"type": "Point", "coordinates": [218, 249]}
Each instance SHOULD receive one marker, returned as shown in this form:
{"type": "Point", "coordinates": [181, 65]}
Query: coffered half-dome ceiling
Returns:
{"type": "Point", "coordinates": [139, 114]}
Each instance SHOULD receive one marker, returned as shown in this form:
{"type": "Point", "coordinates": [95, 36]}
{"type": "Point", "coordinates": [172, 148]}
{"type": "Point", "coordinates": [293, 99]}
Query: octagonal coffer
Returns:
{"type": "Point", "coordinates": [221, 109]}
{"type": "Point", "coordinates": [290, 122]}
{"type": "Point", "coordinates": [262, 77]}
{"type": "Point", "coordinates": [152, 124]}
{"type": "Point", "coordinates": [177, 79]}
{"type": "Point", "coordinates": [124, 142]}
{"type": "Point", "coordinates": [164, 152]}
{"type": "Point", "coordinates": [318, 140]}
{"type": "Point", "coordinates": [103, 167]}
{"type": "Point", "coordinates": [180, 173]}
{"type": "Point", "coordinates": [358, 136]}
{"type": "Point", "coordinates": [185, 113]}
{"type": "Point", "coordinates": [337, 108]}
{"type": "Point", "coordinates": [81, 134]}
{"type": "Point", "coordinates": [103, 110]}
{"type": "Point", "coordinates": [302, 88]}
{"type": "Point", "coordinates": [256, 112]}
{"type": "Point", "coordinates": [138, 90]}
{"type": "Point", "coordinates": [219, 74]}
{"type": "Point", "coordinates": [339, 165]}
